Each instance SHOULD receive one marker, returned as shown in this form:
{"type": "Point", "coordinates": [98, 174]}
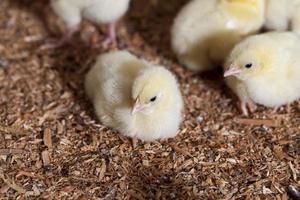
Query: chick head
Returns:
{"type": "Point", "coordinates": [153, 90]}
{"type": "Point", "coordinates": [251, 58]}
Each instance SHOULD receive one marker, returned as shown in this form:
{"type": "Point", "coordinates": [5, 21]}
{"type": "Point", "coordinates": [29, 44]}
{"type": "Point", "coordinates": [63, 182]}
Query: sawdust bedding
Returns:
{"type": "Point", "coordinates": [53, 147]}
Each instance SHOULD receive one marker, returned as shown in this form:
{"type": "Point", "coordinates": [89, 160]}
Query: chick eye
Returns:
{"type": "Point", "coordinates": [153, 99]}
{"type": "Point", "coordinates": [248, 66]}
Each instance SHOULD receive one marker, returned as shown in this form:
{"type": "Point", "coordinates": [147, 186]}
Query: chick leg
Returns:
{"type": "Point", "coordinates": [245, 105]}
{"type": "Point", "coordinates": [111, 35]}
{"type": "Point", "coordinates": [61, 42]}
{"type": "Point", "coordinates": [275, 109]}
{"type": "Point", "coordinates": [134, 141]}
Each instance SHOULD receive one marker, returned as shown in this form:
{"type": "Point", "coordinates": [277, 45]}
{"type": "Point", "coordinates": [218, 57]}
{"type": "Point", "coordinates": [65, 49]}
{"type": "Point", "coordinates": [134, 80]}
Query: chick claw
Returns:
{"type": "Point", "coordinates": [53, 44]}
{"type": "Point", "coordinates": [245, 105]}
{"type": "Point", "coordinates": [59, 43]}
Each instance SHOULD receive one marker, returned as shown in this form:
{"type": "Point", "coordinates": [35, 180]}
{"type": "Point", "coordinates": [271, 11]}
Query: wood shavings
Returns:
{"type": "Point", "coordinates": [11, 151]}
{"type": "Point", "coordinates": [47, 138]}
{"type": "Point", "coordinates": [46, 158]}
{"type": "Point", "coordinates": [102, 171]}
{"type": "Point", "coordinates": [182, 151]}
{"type": "Point", "coordinates": [267, 190]}
{"type": "Point", "coordinates": [4, 189]}
{"type": "Point", "coordinates": [257, 122]}
{"type": "Point", "coordinates": [68, 154]}
{"type": "Point", "coordinates": [135, 195]}
{"type": "Point", "coordinates": [12, 130]}
{"type": "Point", "coordinates": [278, 152]}
{"type": "Point", "coordinates": [230, 195]}
{"type": "Point", "coordinates": [294, 171]}
{"type": "Point", "coordinates": [28, 174]}
{"type": "Point", "coordinates": [52, 114]}
{"type": "Point", "coordinates": [10, 183]}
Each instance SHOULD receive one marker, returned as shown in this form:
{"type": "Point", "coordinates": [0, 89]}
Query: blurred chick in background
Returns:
{"type": "Point", "coordinates": [97, 11]}
{"type": "Point", "coordinates": [265, 69]}
{"type": "Point", "coordinates": [283, 15]}
{"type": "Point", "coordinates": [136, 98]}
{"type": "Point", "coordinates": [205, 31]}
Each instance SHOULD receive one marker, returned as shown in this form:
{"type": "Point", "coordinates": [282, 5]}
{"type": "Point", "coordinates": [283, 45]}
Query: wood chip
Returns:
{"type": "Point", "coordinates": [267, 190]}
{"type": "Point", "coordinates": [11, 151]}
{"type": "Point", "coordinates": [279, 153]}
{"type": "Point", "coordinates": [93, 180]}
{"type": "Point", "coordinates": [146, 163]}
{"type": "Point", "coordinates": [180, 150]}
{"type": "Point", "coordinates": [52, 114]}
{"type": "Point", "coordinates": [257, 122]}
{"type": "Point", "coordinates": [102, 170]}
{"type": "Point", "coordinates": [46, 158]}
{"type": "Point", "coordinates": [29, 174]}
{"type": "Point", "coordinates": [294, 171]}
{"type": "Point", "coordinates": [47, 138]}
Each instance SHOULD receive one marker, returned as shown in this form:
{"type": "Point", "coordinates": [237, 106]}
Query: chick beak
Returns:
{"type": "Point", "coordinates": [231, 71]}
{"type": "Point", "coordinates": [136, 108]}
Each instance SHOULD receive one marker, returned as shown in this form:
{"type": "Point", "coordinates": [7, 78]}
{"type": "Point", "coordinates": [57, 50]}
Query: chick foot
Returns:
{"type": "Point", "coordinates": [288, 108]}
{"type": "Point", "coordinates": [275, 110]}
{"type": "Point", "coordinates": [245, 105]}
{"type": "Point", "coordinates": [59, 43]}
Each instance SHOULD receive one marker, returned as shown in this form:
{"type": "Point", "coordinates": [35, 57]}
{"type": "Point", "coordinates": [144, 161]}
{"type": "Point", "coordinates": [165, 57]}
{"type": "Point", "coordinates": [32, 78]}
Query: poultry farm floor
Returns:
{"type": "Point", "coordinates": [53, 147]}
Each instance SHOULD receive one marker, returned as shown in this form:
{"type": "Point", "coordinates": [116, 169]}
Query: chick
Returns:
{"type": "Point", "coordinates": [205, 31]}
{"type": "Point", "coordinates": [134, 97]}
{"type": "Point", "coordinates": [265, 69]}
{"type": "Point", "coordinates": [280, 14]}
{"type": "Point", "coordinates": [97, 11]}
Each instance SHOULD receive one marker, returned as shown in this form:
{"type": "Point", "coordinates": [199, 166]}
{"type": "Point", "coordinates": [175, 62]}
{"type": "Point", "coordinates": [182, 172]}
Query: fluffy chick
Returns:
{"type": "Point", "coordinates": [205, 31]}
{"type": "Point", "coordinates": [265, 69]}
{"type": "Point", "coordinates": [280, 14]}
{"type": "Point", "coordinates": [97, 11]}
{"type": "Point", "coordinates": [134, 97]}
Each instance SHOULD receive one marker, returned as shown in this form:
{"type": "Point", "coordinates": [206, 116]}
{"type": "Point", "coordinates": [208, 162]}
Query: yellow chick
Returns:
{"type": "Point", "coordinates": [280, 14]}
{"type": "Point", "coordinates": [205, 31]}
{"type": "Point", "coordinates": [265, 69]}
{"type": "Point", "coordinates": [134, 97]}
{"type": "Point", "coordinates": [97, 11]}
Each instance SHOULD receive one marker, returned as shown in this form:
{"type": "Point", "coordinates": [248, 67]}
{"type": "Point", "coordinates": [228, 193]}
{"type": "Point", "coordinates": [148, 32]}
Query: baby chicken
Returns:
{"type": "Point", "coordinates": [134, 97]}
{"type": "Point", "coordinates": [97, 11]}
{"type": "Point", "coordinates": [280, 14]}
{"type": "Point", "coordinates": [205, 31]}
{"type": "Point", "coordinates": [265, 69]}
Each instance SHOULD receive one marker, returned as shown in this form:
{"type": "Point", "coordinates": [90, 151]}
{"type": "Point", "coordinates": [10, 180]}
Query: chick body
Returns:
{"type": "Point", "coordinates": [265, 69]}
{"type": "Point", "coordinates": [97, 11]}
{"type": "Point", "coordinates": [119, 81]}
{"type": "Point", "coordinates": [205, 31]}
{"type": "Point", "coordinates": [280, 14]}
